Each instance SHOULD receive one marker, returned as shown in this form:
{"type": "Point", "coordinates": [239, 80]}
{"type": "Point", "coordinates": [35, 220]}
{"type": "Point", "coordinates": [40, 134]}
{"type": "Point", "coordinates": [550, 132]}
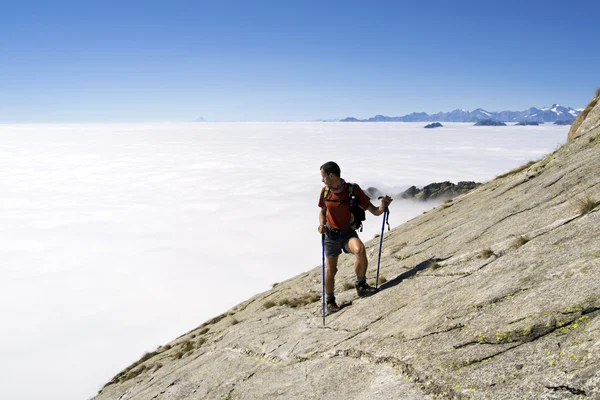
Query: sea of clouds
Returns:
{"type": "Point", "coordinates": [117, 238]}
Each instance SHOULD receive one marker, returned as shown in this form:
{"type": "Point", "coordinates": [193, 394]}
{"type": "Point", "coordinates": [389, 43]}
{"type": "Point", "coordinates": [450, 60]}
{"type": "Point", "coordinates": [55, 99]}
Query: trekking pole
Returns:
{"type": "Point", "coordinates": [380, 244]}
{"type": "Point", "coordinates": [323, 278]}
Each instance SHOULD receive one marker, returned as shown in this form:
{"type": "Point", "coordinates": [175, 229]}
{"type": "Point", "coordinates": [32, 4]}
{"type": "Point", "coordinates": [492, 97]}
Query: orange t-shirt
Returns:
{"type": "Point", "coordinates": [339, 215]}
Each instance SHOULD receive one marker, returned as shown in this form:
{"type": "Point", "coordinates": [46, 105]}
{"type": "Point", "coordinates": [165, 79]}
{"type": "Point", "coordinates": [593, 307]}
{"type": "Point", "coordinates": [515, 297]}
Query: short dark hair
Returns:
{"type": "Point", "coordinates": [331, 167]}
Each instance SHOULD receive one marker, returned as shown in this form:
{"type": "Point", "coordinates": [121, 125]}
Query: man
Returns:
{"type": "Point", "coordinates": [336, 223]}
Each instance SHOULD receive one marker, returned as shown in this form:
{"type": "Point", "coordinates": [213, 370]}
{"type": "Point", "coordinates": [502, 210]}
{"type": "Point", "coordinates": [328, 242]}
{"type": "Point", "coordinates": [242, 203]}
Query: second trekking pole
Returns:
{"type": "Point", "coordinates": [380, 244]}
{"type": "Point", "coordinates": [323, 276]}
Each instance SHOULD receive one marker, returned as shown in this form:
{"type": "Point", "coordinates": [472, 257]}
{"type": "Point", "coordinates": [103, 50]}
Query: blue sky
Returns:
{"type": "Point", "coordinates": [111, 61]}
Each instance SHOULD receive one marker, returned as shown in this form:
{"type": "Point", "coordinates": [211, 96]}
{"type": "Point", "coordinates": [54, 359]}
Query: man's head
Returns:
{"type": "Point", "coordinates": [331, 167]}
{"type": "Point", "coordinates": [330, 174]}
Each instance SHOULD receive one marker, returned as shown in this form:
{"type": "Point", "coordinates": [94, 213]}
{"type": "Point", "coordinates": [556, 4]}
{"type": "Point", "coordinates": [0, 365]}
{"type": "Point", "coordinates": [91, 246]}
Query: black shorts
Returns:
{"type": "Point", "coordinates": [335, 244]}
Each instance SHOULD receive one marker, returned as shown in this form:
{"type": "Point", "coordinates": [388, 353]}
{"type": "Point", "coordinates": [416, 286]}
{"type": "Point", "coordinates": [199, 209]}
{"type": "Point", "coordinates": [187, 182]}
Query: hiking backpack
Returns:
{"type": "Point", "coordinates": [358, 214]}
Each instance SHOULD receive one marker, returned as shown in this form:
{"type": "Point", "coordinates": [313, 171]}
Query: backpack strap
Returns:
{"type": "Point", "coordinates": [350, 194]}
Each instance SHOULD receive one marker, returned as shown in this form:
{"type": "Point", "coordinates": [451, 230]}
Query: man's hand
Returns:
{"type": "Point", "coordinates": [322, 229]}
{"type": "Point", "coordinates": [385, 201]}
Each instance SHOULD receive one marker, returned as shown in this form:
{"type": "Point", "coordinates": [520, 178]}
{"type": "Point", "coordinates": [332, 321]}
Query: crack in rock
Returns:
{"type": "Point", "coordinates": [500, 299]}
{"type": "Point", "coordinates": [530, 334]}
{"type": "Point", "coordinates": [251, 353]}
{"type": "Point", "coordinates": [228, 396]}
{"type": "Point", "coordinates": [420, 379]}
{"type": "Point", "coordinates": [350, 337]}
{"type": "Point", "coordinates": [503, 219]}
{"type": "Point", "coordinates": [452, 328]}
{"type": "Point", "coordinates": [556, 180]}
{"type": "Point", "coordinates": [486, 358]}
{"type": "Point", "coordinates": [567, 388]}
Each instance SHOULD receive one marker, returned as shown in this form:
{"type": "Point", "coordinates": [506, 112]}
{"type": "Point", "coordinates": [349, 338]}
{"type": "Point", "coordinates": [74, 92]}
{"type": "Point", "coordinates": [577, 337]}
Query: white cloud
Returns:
{"type": "Point", "coordinates": [118, 238]}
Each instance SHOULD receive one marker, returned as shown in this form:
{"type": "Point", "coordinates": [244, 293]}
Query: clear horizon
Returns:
{"type": "Point", "coordinates": [275, 61]}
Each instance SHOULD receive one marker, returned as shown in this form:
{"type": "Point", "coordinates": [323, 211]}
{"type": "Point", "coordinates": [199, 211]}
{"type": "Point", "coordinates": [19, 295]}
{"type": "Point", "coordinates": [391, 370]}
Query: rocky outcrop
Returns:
{"type": "Point", "coordinates": [489, 122]}
{"type": "Point", "coordinates": [439, 190]}
{"type": "Point", "coordinates": [528, 123]}
{"type": "Point", "coordinates": [568, 122]}
{"type": "Point", "coordinates": [433, 125]}
{"type": "Point", "coordinates": [492, 295]}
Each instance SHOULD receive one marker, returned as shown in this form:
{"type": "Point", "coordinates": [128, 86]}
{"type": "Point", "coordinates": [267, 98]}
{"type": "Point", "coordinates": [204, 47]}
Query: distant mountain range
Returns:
{"type": "Point", "coordinates": [546, 114]}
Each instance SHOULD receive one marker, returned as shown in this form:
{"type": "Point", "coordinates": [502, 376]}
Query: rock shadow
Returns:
{"type": "Point", "coordinates": [405, 275]}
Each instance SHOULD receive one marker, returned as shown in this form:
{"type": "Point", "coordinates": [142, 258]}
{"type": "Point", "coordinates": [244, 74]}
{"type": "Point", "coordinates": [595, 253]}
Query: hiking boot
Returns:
{"type": "Point", "coordinates": [332, 306]}
{"type": "Point", "coordinates": [364, 290]}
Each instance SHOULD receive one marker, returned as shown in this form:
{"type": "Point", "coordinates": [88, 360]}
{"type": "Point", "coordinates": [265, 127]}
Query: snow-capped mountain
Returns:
{"type": "Point", "coordinates": [546, 114]}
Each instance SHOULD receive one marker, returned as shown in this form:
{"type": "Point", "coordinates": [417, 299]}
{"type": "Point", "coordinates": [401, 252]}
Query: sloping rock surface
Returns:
{"type": "Point", "coordinates": [494, 295]}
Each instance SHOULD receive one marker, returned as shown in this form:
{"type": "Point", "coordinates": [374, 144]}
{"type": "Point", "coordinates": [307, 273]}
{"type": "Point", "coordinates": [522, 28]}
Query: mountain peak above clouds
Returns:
{"type": "Point", "coordinates": [546, 114]}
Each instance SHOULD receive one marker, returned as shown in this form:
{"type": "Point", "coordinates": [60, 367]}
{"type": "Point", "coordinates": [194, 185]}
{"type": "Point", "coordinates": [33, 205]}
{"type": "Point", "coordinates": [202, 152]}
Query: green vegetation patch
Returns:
{"type": "Point", "coordinates": [516, 170]}
{"type": "Point", "coordinates": [520, 241]}
{"type": "Point", "coordinates": [300, 301]}
{"type": "Point", "coordinates": [434, 265]}
{"type": "Point", "coordinates": [586, 204]}
{"type": "Point", "coordinates": [486, 253]}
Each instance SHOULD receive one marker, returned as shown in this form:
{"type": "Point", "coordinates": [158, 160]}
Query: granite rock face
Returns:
{"type": "Point", "coordinates": [493, 295]}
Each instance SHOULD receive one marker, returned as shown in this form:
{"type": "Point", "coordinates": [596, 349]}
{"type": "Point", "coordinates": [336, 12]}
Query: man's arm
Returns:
{"type": "Point", "coordinates": [322, 220]}
{"type": "Point", "coordinates": [377, 211]}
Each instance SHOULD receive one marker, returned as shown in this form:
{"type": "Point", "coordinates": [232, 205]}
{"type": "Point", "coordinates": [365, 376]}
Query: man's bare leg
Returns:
{"type": "Point", "coordinates": [356, 247]}
{"type": "Point", "coordinates": [330, 274]}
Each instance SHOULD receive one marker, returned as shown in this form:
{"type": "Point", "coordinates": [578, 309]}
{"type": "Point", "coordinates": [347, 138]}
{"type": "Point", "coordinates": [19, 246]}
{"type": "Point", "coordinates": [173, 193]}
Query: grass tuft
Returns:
{"type": "Point", "coordinates": [586, 204]}
{"type": "Point", "coordinates": [269, 304]}
{"type": "Point", "coordinates": [382, 279]}
{"type": "Point", "coordinates": [486, 253]}
{"type": "Point", "coordinates": [303, 300]}
{"type": "Point", "coordinates": [434, 265]}
{"type": "Point", "coordinates": [214, 320]}
{"type": "Point", "coordinates": [348, 286]}
{"type": "Point", "coordinates": [520, 241]}
{"type": "Point", "coordinates": [516, 170]}
{"type": "Point", "coordinates": [187, 346]}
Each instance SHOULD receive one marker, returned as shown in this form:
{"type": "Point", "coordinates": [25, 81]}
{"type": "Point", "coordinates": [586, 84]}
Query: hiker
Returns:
{"type": "Point", "coordinates": [337, 223]}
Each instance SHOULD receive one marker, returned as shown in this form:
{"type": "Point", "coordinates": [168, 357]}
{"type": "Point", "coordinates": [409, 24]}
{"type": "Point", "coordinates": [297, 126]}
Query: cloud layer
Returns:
{"type": "Point", "coordinates": [117, 238]}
